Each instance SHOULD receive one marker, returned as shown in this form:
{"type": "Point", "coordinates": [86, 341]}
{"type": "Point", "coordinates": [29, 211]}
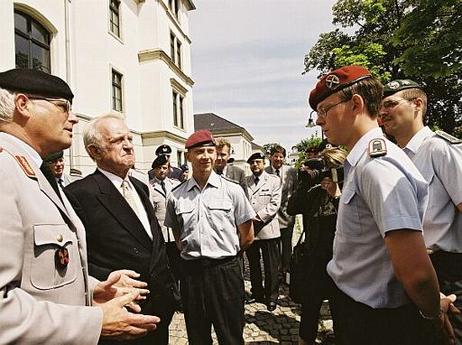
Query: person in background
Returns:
{"type": "Point", "coordinates": [56, 164]}
{"type": "Point", "coordinates": [264, 191]}
{"type": "Point", "coordinates": [288, 177]}
{"type": "Point", "coordinates": [221, 164]}
{"type": "Point", "coordinates": [317, 200]}
{"type": "Point", "coordinates": [173, 172]}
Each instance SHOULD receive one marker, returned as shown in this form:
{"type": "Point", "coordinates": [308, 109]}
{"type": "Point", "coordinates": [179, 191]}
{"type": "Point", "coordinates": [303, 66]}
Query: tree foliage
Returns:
{"type": "Point", "coordinates": [415, 39]}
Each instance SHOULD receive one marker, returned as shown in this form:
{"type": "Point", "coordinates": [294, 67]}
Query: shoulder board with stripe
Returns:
{"type": "Point", "coordinates": [23, 163]}
{"type": "Point", "coordinates": [176, 187]}
{"type": "Point", "coordinates": [228, 179]}
{"type": "Point", "coordinates": [448, 137]}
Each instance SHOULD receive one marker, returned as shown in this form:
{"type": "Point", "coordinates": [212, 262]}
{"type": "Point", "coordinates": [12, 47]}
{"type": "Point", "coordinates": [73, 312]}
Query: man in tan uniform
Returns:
{"type": "Point", "coordinates": [45, 291]}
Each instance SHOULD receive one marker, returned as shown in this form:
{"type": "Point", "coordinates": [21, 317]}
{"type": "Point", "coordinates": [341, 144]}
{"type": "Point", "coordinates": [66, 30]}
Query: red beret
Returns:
{"type": "Point", "coordinates": [335, 81]}
{"type": "Point", "coordinates": [202, 137]}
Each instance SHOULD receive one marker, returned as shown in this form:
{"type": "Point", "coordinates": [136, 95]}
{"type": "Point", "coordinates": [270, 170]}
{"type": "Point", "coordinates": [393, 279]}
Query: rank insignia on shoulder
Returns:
{"type": "Point", "coordinates": [25, 166]}
{"type": "Point", "coordinates": [377, 147]}
{"type": "Point", "coordinates": [448, 137]}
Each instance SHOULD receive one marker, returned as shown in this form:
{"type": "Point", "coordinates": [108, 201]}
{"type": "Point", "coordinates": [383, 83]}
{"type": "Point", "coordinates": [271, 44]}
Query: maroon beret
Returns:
{"type": "Point", "coordinates": [202, 137]}
{"type": "Point", "coordinates": [335, 81]}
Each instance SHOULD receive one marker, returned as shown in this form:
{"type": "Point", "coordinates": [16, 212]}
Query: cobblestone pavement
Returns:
{"type": "Point", "coordinates": [262, 327]}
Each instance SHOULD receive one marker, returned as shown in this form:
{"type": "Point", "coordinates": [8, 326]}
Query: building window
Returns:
{"type": "Point", "coordinates": [117, 91]}
{"type": "Point", "coordinates": [178, 112]}
{"type": "Point", "coordinates": [174, 6]}
{"type": "Point", "coordinates": [179, 157]}
{"type": "Point", "coordinates": [114, 23]}
{"type": "Point", "coordinates": [32, 43]}
{"type": "Point", "coordinates": [175, 49]}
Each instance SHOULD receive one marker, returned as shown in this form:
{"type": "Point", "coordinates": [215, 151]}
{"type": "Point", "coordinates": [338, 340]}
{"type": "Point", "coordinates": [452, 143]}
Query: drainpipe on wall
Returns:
{"type": "Point", "coordinates": [68, 62]}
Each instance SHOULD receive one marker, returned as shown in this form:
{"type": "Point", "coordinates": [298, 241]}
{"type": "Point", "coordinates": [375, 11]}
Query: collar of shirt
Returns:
{"type": "Point", "coordinates": [418, 138]}
{"type": "Point", "coordinates": [214, 181]}
{"type": "Point", "coordinates": [26, 147]}
{"type": "Point", "coordinates": [116, 180]}
{"type": "Point", "coordinates": [362, 145]}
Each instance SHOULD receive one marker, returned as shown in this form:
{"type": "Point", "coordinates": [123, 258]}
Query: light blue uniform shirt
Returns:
{"type": "Point", "coordinates": [379, 195]}
{"type": "Point", "coordinates": [207, 220]}
{"type": "Point", "coordinates": [440, 163]}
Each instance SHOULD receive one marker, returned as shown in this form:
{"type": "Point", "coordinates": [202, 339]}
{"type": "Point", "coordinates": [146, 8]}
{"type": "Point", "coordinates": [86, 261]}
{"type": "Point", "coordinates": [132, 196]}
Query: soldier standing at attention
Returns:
{"type": "Point", "coordinates": [438, 156]}
{"type": "Point", "coordinates": [386, 290]}
{"type": "Point", "coordinates": [211, 219]}
{"type": "Point", "coordinates": [46, 294]}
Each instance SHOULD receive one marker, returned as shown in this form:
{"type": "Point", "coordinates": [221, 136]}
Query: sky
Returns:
{"type": "Point", "coordinates": [247, 63]}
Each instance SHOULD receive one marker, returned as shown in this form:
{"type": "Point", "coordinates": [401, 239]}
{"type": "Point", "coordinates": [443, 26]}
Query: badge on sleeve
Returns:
{"type": "Point", "coordinates": [61, 258]}
{"type": "Point", "coordinates": [377, 147]}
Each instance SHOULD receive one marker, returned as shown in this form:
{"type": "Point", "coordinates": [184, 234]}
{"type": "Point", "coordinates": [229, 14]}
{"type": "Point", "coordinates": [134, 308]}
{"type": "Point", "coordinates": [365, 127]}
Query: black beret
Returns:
{"type": "Point", "coordinates": [163, 150]}
{"type": "Point", "coordinates": [35, 82]}
{"type": "Point", "coordinates": [398, 85]}
{"type": "Point", "coordinates": [257, 155]}
{"type": "Point", "coordinates": [54, 156]}
{"type": "Point", "coordinates": [159, 161]}
{"type": "Point", "coordinates": [335, 81]}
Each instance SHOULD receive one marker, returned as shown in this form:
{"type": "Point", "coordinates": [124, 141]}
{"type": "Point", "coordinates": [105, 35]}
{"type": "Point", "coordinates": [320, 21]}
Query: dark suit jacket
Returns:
{"type": "Point", "coordinates": [117, 240]}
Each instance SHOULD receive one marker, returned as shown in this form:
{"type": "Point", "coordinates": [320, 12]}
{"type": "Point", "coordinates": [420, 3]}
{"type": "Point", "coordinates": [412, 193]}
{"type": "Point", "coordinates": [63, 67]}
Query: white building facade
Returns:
{"type": "Point", "coordinates": [131, 57]}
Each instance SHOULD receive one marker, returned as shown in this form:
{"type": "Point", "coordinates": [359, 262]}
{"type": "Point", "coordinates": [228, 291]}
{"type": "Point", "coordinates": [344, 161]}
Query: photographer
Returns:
{"type": "Point", "coordinates": [316, 198]}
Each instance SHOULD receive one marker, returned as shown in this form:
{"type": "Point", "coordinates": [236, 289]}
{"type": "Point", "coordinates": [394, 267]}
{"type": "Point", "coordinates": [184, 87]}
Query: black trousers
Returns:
{"type": "Point", "coordinates": [448, 267]}
{"type": "Point", "coordinates": [174, 259]}
{"type": "Point", "coordinates": [286, 250]}
{"type": "Point", "coordinates": [359, 324]}
{"type": "Point", "coordinates": [213, 294]}
{"type": "Point", "coordinates": [271, 258]}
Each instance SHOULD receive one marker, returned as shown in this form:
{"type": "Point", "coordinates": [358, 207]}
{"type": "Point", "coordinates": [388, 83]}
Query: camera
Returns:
{"type": "Point", "coordinates": [315, 169]}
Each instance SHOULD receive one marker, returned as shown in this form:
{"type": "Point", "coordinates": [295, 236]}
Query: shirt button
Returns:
{"type": "Point", "coordinates": [59, 238]}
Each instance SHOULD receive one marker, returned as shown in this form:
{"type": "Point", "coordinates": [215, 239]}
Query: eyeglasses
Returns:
{"type": "Point", "coordinates": [63, 104]}
{"type": "Point", "coordinates": [389, 104]}
{"type": "Point", "coordinates": [323, 112]}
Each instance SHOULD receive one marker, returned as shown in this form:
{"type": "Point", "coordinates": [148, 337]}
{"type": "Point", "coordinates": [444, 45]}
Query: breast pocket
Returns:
{"type": "Point", "coordinates": [220, 213]}
{"type": "Point", "coordinates": [349, 217]}
{"type": "Point", "coordinates": [46, 272]}
{"type": "Point", "coordinates": [185, 211]}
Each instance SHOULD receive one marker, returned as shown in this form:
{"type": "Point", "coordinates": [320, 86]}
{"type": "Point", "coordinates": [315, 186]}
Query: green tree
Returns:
{"type": "Point", "coordinates": [416, 39]}
{"type": "Point", "coordinates": [303, 145]}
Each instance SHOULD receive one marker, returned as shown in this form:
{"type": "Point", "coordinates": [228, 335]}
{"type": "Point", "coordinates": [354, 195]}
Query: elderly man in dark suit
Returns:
{"type": "Point", "coordinates": [122, 229]}
{"type": "Point", "coordinates": [222, 167]}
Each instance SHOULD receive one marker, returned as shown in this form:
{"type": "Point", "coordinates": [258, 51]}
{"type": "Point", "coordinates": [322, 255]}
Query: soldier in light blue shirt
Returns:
{"type": "Point", "coordinates": [438, 156]}
{"type": "Point", "coordinates": [211, 220]}
{"type": "Point", "coordinates": [386, 288]}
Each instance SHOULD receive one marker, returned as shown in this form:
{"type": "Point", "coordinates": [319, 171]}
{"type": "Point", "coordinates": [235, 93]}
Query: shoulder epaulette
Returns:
{"type": "Point", "coordinates": [448, 137]}
{"type": "Point", "coordinates": [377, 148]}
{"type": "Point", "coordinates": [228, 179]}
{"type": "Point", "coordinates": [23, 163]}
{"type": "Point", "coordinates": [176, 187]}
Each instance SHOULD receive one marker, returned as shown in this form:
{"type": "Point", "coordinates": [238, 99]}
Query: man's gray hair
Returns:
{"type": "Point", "coordinates": [91, 133]}
{"type": "Point", "coordinates": [7, 105]}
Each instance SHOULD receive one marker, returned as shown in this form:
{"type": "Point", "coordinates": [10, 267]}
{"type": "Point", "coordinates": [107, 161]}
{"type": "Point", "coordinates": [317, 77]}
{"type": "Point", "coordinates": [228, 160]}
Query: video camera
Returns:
{"type": "Point", "coordinates": [315, 169]}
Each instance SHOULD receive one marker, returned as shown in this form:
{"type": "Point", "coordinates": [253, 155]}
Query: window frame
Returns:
{"type": "Point", "coordinates": [117, 87]}
{"type": "Point", "coordinates": [115, 11]}
{"type": "Point", "coordinates": [31, 41]}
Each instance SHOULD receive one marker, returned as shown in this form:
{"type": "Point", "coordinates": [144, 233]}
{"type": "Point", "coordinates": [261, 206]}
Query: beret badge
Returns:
{"type": "Point", "coordinates": [332, 81]}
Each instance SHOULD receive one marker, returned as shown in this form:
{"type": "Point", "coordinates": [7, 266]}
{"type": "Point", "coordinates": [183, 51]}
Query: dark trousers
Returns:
{"type": "Point", "coordinates": [318, 287]}
{"type": "Point", "coordinates": [213, 294]}
{"type": "Point", "coordinates": [359, 324]}
{"type": "Point", "coordinates": [448, 267]}
{"type": "Point", "coordinates": [286, 250]}
{"type": "Point", "coordinates": [271, 258]}
{"type": "Point", "coordinates": [174, 259]}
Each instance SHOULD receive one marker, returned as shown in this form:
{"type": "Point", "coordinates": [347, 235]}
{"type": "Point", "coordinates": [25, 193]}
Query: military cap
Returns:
{"type": "Point", "coordinates": [257, 155]}
{"type": "Point", "coordinates": [163, 150]}
{"type": "Point", "coordinates": [54, 156]}
{"type": "Point", "coordinates": [159, 161]}
{"type": "Point", "coordinates": [398, 85]}
{"type": "Point", "coordinates": [335, 81]}
{"type": "Point", "coordinates": [201, 137]}
{"type": "Point", "coordinates": [35, 82]}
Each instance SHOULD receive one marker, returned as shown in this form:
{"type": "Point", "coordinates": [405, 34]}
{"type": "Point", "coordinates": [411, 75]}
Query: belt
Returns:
{"type": "Point", "coordinates": [207, 262]}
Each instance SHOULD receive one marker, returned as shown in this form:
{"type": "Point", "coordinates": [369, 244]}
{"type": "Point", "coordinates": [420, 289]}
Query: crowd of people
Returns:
{"type": "Point", "coordinates": [118, 251]}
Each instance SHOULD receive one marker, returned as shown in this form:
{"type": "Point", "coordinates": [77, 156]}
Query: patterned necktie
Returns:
{"type": "Point", "coordinates": [128, 195]}
{"type": "Point", "coordinates": [162, 184]}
